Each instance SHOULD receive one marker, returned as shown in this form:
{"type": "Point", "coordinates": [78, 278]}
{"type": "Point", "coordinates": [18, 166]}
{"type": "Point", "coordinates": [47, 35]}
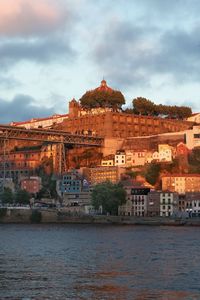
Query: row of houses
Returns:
{"type": "Point", "coordinates": [75, 191]}
{"type": "Point", "coordinates": [127, 158]}
{"type": "Point", "coordinates": [142, 202]}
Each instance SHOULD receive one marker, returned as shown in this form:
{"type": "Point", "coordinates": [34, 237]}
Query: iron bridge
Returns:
{"type": "Point", "coordinates": [49, 135]}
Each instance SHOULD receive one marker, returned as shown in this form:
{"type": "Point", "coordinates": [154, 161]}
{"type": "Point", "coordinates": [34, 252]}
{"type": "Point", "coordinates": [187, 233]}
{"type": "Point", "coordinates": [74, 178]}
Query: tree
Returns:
{"type": "Point", "coordinates": [152, 173]}
{"type": "Point", "coordinates": [95, 98]}
{"type": "Point", "coordinates": [143, 106]}
{"type": "Point", "coordinates": [22, 197]}
{"type": "Point", "coordinates": [7, 196]}
{"type": "Point", "coordinates": [36, 216]}
{"type": "Point", "coordinates": [48, 189]}
{"type": "Point", "coordinates": [194, 160]}
{"type": "Point", "coordinates": [109, 196]}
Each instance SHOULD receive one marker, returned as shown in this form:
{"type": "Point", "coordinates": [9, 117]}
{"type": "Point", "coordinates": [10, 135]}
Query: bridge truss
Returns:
{"type": "Point", "coordinates": [62, 139]}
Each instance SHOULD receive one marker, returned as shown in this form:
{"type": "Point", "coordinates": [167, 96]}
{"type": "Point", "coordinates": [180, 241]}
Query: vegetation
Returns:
{"type": "Point", "coordinates": [132, 174]}
{"type": "Point", "coordinates": [95, 98]}
{"type": "Point", "coordinates": [194, 160]}
{"type": "Point", "coordinates": [7, 196]}
{"type": "Point", "coordinates": [48, 187]}
{"type": "Point", "coordinates": [22, 197]}
{"type": "Point", "coordinates": [36, 216]}
{"type": "Point", "coordinates": [108, 195]}
{"type": "Point", "coordinates": [143, 106]}
{"type": "Point", "coordinates": [152, 173]}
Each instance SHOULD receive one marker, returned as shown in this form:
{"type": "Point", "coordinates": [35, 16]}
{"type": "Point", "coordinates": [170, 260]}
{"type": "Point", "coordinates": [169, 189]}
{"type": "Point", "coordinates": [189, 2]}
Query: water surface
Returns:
{"type": "Point", "coordinates": [99, 262]}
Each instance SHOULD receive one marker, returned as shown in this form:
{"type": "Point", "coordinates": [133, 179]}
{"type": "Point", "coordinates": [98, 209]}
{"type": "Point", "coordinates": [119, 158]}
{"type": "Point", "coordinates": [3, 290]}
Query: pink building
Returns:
{"type": "Point", "coordinates": [31, 184]}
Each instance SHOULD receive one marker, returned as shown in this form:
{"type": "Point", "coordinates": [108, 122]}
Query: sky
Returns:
{"type": "Point", "coordinates": [54, 50]}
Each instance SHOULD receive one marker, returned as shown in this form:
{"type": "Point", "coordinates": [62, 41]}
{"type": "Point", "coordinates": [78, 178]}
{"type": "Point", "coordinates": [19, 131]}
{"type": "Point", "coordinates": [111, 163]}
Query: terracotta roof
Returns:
{"type": "Point", "coordinates": [104, 87]}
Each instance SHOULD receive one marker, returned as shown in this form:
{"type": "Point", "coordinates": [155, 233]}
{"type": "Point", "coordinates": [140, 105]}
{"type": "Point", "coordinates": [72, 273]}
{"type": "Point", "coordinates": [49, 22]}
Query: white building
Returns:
{"type": "Point", "coordinates": [41, 122]}
{"type": "Point", "coordinates": [120, 158]}
{"type": "Point", "coordinates": [164, 154]}
{"type": "Point", "coordinates": [193, 137]}
{"type": "Point", "coordinates": [168, 204]}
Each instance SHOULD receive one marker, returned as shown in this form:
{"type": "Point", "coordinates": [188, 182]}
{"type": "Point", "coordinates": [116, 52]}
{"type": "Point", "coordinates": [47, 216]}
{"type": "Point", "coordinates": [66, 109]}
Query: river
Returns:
{"type": "Point", "coordinates": [99, 262]}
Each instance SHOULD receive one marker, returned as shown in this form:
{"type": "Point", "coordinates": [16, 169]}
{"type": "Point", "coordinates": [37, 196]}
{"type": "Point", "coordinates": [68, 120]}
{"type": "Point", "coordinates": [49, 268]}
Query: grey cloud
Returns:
{"type": "Point", "coordinates": [22, 108]}
{"type": "Point", "coordinates": [8, 82]}
{"type": "Point", "coordinates": [37, 50]}
{"type": "Point", "coordinates": [132, 55]}
{"type": "Point", "coordinates": [170, 9]}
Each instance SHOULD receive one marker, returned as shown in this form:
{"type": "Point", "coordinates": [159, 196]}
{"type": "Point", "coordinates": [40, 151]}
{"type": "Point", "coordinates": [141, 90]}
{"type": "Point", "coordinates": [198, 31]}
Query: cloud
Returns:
{"type": "Point", "coordinates": [27, 17]}
{"type": "Point", "coordinates": [37, 50]}
{"type": "Point", "coordinates": [133, 55]}
{"type": "Point", "coordinates": [22, 108]}
{"type": "Point", "coordinates": [8, 82]}
{"type": "Point", "coordinates": [35, 31]}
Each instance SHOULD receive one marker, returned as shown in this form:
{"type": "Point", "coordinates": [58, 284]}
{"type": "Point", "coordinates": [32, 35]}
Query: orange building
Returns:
{"type": "Point", "coordinates": [19, 163]}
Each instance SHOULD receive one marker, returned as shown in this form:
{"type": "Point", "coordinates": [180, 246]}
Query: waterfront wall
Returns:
{"type": "Point", "coordinates": [53, 216]}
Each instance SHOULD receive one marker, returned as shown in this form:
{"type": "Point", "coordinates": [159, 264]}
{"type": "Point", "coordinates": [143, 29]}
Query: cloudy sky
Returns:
{"type": "Point", "coordinates": [54, 50]}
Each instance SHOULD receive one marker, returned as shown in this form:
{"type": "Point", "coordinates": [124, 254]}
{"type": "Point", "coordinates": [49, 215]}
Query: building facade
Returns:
{"type": "Point", "coordinates": [32, 184]}
{"type": "Point", "coordinates": [101, 174]}
{"type": "Point", "coordinates": [181, 183]}
{"type": "Point", "coordinates": [168, 204]}
{"type": "Point", "coordinates": [41, 122]}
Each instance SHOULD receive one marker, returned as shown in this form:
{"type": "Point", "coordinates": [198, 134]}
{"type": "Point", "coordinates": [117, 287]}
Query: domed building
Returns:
{"type": "Point", "coordinates": [98, 100]}
{"type": "Point", "coordinates": [104, 87]}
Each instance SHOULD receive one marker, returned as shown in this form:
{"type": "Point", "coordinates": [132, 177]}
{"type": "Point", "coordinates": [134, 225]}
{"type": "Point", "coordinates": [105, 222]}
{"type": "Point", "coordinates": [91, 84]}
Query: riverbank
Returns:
{"type": "Point", "coordinates": [55, 216]}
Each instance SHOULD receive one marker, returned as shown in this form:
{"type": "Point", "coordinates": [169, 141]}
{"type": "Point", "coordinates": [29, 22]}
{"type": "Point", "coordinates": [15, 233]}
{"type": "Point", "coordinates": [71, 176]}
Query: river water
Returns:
{"type": "Point", "coordinates": [99, 262]}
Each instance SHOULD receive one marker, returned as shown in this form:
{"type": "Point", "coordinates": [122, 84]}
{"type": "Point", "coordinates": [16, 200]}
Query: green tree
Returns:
{"type": "Point", "coordinates": [152, 173]}
{"type": "Point", "coordinates": [95, 98]}
{"type": "Point", "coordinates": [194, 160]}
{"type": "Point", "coordinates": [143, 106]}
{"type": "Point", "coordinates": [22, 197]}
{"type": "Point", "coordinates": [109, 196]}
{"type": "Point", "coordinates": [36, 216]}
{"type": "Point", "coordinates": [7, 196]}
{"type": "Point", "coordinates": [48, 189]}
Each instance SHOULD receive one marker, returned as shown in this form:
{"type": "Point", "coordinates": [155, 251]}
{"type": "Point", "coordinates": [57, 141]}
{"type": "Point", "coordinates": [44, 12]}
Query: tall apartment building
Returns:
{"type": "Point", "coordinates": [17, 164]}
{"type": "Point", "coordinates": [136, 204]}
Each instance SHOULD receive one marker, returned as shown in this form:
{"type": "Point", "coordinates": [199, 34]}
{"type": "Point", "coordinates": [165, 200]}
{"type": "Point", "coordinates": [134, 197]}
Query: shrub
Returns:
{"type": "Point", "coordinates": [36, 216]}
{"type": "Point", "coordinates": [3, 212]}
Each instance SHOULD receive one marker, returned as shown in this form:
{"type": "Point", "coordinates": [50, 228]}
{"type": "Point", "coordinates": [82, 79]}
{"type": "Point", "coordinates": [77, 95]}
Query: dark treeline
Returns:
{"type": "Point", "coordinates": [143, 106]}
